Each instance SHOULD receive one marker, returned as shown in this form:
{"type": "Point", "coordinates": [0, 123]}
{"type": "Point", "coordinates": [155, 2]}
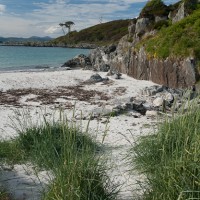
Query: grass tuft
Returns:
{"type": "Point", "coordinates": [170, 158]}
{"type": "Point", "coordinates": [73, 158]}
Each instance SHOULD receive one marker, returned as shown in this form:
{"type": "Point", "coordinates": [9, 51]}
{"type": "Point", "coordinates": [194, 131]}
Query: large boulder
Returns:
{"type": "Point", "coordinates": [96, 78]}
{"type": "Point", "coordinates": [78, 61]}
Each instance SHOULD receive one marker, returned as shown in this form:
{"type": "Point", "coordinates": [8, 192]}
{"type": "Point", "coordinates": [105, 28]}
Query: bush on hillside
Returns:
{"type": "Point", "coordinates": [181, 39]}
{"type": "Point", "coordinates": [154, 8]}
{"type": "Point", "coordinates": [190, 5]}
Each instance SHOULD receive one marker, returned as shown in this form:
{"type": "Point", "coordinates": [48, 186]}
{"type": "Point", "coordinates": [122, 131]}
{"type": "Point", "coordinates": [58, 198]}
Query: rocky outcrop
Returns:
{"type": "Point", "coordinates": [181, 13]}
{"type": "Point", "coordinates": [141, 26]}
{"type": "Point", "coordinates": [130, 59]}
{"type": "Point", "coordinates": [78, 61]}
{"type": "Point", "coordinates": [174, 73]}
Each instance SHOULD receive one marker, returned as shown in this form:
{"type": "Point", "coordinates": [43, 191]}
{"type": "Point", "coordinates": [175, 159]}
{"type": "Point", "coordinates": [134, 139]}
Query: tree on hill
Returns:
{"type": "Point", "coordinates": [61, 24]}
{"type": "Point", "coordinates": [67, 25]}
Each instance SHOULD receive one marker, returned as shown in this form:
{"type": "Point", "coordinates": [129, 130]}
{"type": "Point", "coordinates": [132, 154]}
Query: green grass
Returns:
{"type": "Point", "coordinates": [101, 34]}
{"type": "Point", "coordinates": [170, 158]}
{"type": "Point", "coordinates": [74, 159]}
{"type": "Point", "coordinates": [179, 40]}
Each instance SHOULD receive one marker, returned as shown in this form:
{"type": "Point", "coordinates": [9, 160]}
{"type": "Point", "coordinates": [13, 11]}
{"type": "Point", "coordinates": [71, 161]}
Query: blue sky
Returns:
{"type": "Point", "coordinates": [25, 18]}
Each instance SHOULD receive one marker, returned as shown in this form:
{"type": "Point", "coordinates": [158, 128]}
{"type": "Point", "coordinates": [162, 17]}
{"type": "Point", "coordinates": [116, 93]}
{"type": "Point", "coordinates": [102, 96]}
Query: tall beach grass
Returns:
{"type": "Point", "coordinates": [170, 158]}
{"type": "Point", "coordinates": [74, 159]}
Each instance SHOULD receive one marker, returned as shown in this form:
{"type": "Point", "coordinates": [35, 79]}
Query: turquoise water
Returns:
{"type": "Point", "coordinates": [35, 58]}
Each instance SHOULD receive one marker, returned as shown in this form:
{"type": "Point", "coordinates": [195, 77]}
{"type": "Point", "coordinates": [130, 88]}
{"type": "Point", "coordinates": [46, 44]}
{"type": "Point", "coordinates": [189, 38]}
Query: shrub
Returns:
{"type": "Point", "coordinates": [154, 8]}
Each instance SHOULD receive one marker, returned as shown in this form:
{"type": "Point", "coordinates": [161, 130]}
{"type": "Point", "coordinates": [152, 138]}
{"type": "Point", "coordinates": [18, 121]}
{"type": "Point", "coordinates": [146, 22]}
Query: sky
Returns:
{"type": "Point", "coordinates": [25, 18]}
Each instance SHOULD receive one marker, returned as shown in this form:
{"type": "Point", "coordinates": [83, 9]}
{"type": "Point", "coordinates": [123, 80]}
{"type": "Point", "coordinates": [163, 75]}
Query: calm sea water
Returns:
{"type": "Point", "coordinates": [35, 58]}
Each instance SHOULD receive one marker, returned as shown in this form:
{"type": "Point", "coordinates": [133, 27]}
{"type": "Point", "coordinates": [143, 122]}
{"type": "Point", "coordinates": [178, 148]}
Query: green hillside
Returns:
{"type": "Point", "coordinates": [181, 39]}
{"type": "Point", "coordinates": [101, 34]}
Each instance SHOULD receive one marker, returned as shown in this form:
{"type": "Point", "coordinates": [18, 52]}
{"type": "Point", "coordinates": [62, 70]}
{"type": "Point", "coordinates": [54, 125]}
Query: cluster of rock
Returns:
{"type": "Point", "coordinates": [155, 100]}
{"type": "Point", "coordinates": [89, 63]}
{"type": "Point", "coordinates": [152, 100]}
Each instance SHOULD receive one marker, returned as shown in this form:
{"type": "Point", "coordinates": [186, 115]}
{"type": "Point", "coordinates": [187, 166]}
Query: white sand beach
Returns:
{"type": "Point", "coordinates": [45, 92]}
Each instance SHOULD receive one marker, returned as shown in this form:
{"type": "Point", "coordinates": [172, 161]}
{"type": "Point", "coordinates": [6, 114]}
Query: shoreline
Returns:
{"type": "Point", "coordinates": [70, 46]}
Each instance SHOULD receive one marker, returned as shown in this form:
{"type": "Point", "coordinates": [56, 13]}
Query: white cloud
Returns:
{"type": "Point", "coordinates": [45, 19]}
{"type": "Point", "coordinates": [2, 8]}
{"type": "Point", "coordinates": [52, 30]}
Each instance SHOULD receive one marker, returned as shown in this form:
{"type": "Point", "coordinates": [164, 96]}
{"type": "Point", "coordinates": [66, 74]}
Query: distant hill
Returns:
{"type": "Point", "coordinates": [30, 39]}
{"type": "Point", "coordinates": [101, 34]}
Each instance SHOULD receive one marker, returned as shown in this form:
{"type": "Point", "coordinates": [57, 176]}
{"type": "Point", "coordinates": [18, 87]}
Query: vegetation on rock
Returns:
{"type": "Point", "coordinates": [190, 5]}
{"type": "Point", "coordinates": [181, 39]}
{"type": "Point", "coordinates": [154, 8]}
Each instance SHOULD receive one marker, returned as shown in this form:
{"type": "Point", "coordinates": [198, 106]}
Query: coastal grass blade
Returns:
{"type": "Point", "coordinates": [73, 158]}
{"type": "Point", "coordinates": [169, 158]}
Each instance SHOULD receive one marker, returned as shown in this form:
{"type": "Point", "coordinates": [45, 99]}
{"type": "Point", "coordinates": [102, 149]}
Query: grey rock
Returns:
{"type": "Point", "coordinates": [139, 107]}
{"type": "Point", "coordinates": [153, 90]}
{"type": "Point", "coordinates": [148, 106]}
{"type": "Point", "coordinates": [131, 29]}
{"type": "Point", "coordinates": [180, 13]}
{"type": "Point", "coordinates": [104, 68]}
{"type": "Point", "coordinates": [158, 102]}
{"type": "Point", "coordinates": [96, 78]}
{"type": "Point", "coordinates": [141, 26]}
{"type": "Point", "coordinates": [151, 113]}
{"type": "Point", "coordinates": [169, 97]}
{"type": "Point", "coordinates": [68, 68]}
{"type": "Point", "coordinates": [110, 49]}
{"type": "Point", "coordinates": [117, 76]}
{"type": "Point", "coordinates": [78, 61]}
{"type": "Point", "coordinates": [158, 18]}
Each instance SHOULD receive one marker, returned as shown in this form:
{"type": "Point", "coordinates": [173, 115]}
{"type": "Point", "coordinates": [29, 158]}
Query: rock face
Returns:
{"type": "Point", "coordinates": [171, 72]}
{"type": "Point", "coordinates": [181, 13]}
{"type": "Point", "coordinates": [141, 26]}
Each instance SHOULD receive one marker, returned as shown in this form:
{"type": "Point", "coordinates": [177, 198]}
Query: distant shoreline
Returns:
{"type": "Point", "coordinates": [77, 46]}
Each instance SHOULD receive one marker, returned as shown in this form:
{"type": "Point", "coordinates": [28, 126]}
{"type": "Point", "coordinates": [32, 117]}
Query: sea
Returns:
{"type": "Point", "coordinates": [20, 58]}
